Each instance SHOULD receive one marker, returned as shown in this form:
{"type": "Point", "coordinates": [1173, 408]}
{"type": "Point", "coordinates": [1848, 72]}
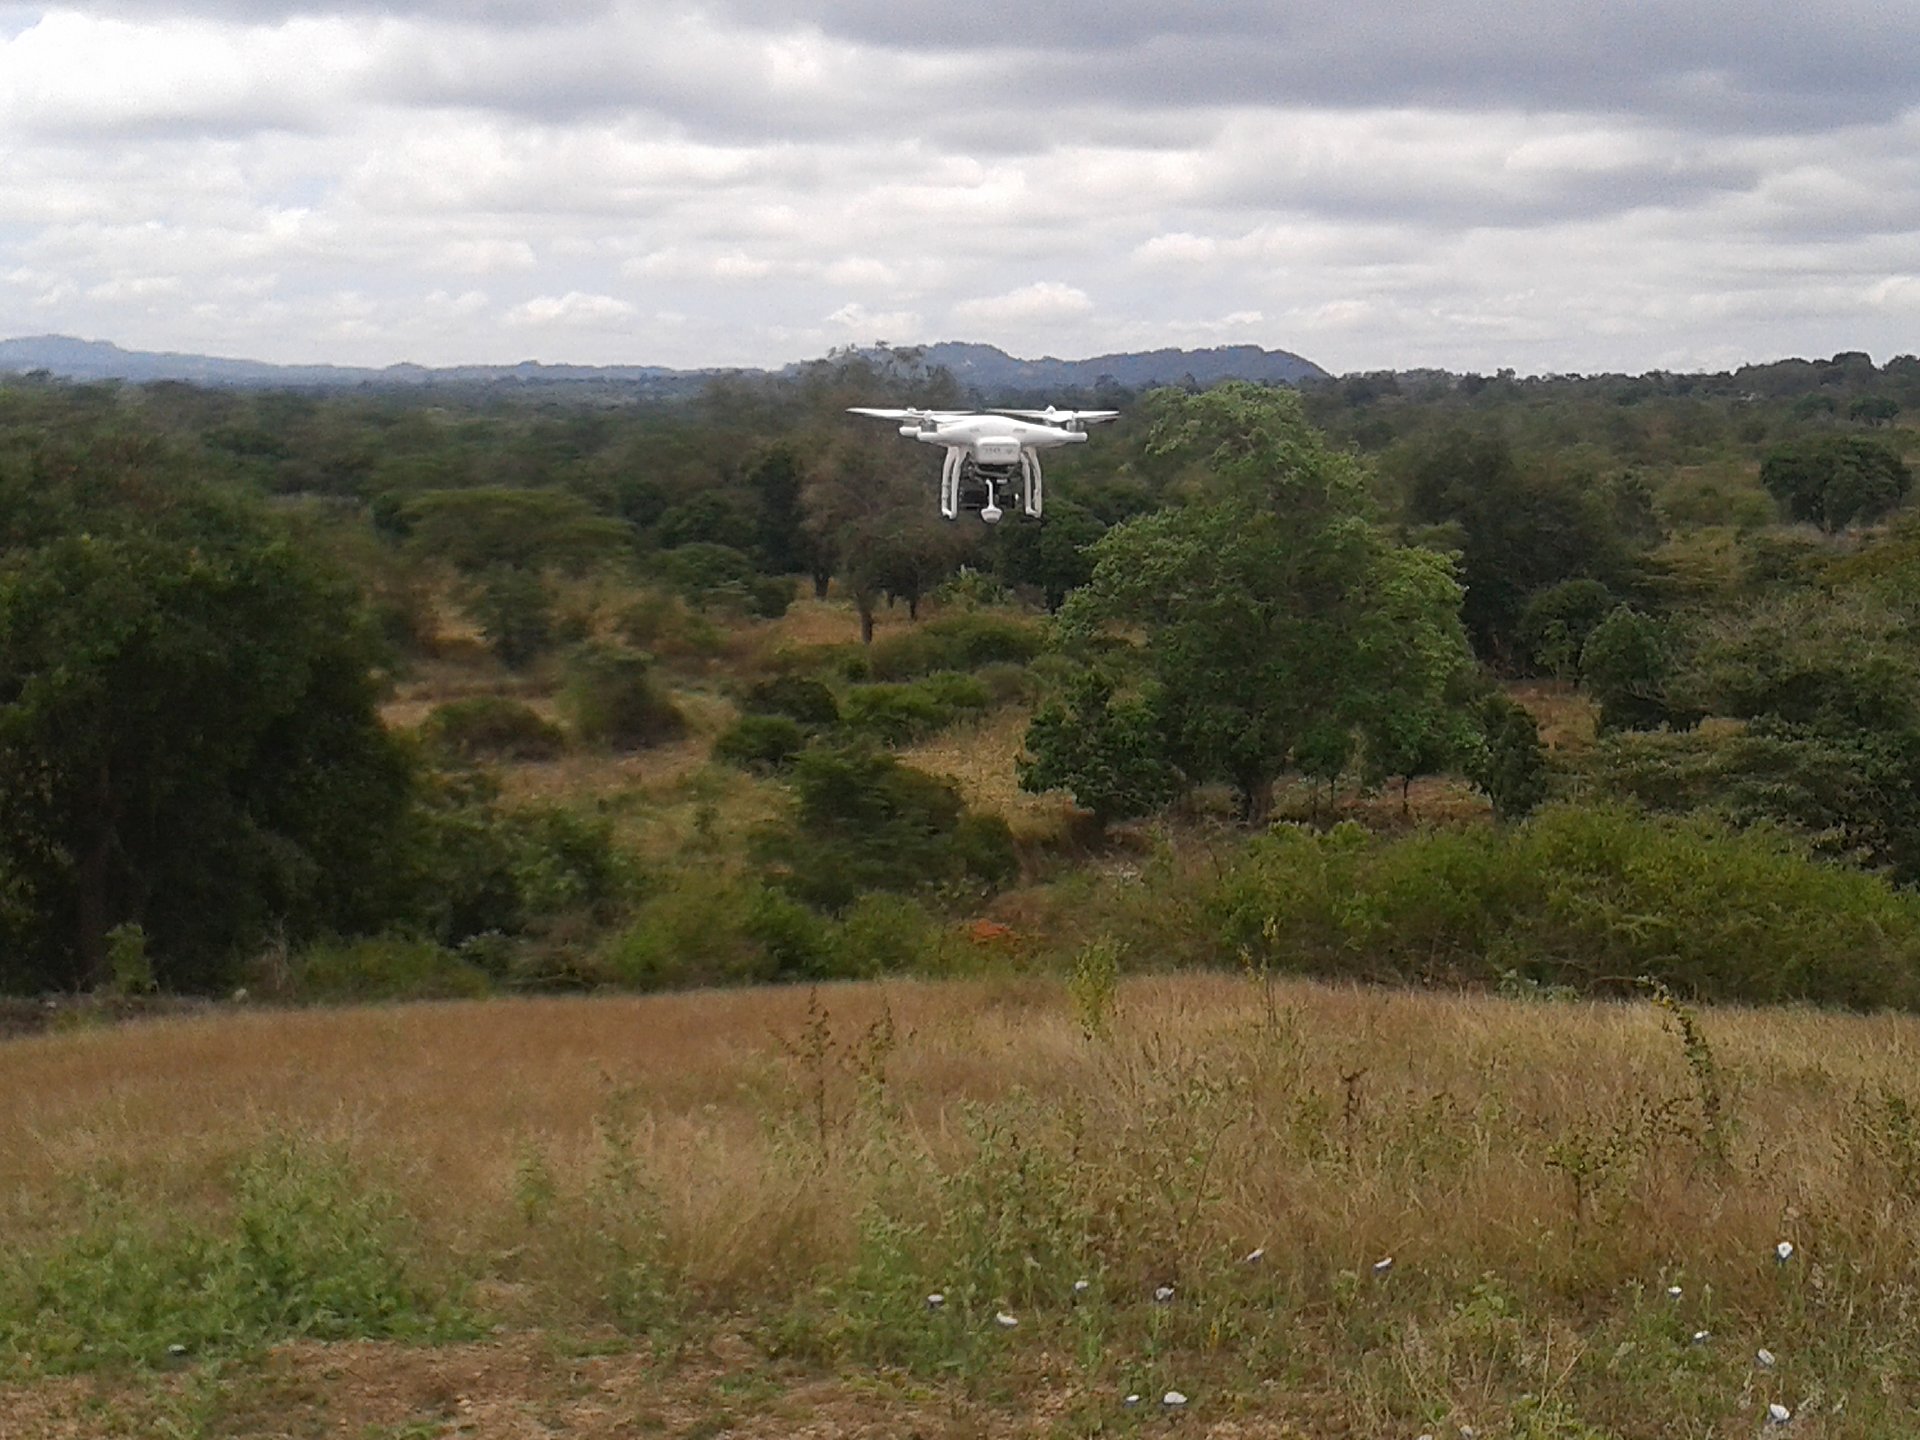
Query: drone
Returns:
{"type": "Point", "coordinates": [988, 450]}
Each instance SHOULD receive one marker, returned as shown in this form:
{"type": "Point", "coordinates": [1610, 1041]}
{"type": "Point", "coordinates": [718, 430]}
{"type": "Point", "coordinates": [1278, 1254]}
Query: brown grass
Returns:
{"type": "Point", "coordinates": [445, 1096]}
{"type": "Point", "coordinates": [1334, 1126]}
{"type": "Point", "coordinates": [1567, 717]}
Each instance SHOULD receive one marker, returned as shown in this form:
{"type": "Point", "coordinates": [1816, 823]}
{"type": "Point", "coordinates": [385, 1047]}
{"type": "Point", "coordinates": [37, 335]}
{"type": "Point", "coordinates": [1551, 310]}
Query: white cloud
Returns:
{"type": "Point", "coordinates": [1042, 301]}
{"type": "Point", "coordinates": [572, 309]}
{"type": "Point", "coordinates": [894, 326]}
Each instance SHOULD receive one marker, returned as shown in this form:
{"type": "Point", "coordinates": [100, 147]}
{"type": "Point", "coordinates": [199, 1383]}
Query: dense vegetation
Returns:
{"type": "Point", "coordinates": [441, 692]}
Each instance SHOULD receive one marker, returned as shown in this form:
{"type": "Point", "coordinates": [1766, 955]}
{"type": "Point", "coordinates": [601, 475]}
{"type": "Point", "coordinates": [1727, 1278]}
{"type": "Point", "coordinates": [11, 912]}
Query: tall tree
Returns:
{"type": "Point", "coordinates": [188, 742]}
{"type": "Point", "coordinates": [1278, 620]}
{"type": "Point", "coordinates": [1518, 530]}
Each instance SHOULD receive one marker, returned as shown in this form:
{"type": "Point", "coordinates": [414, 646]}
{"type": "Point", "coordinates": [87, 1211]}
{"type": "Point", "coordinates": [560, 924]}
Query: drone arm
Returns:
{"type": "Point", "coordinates": [950, 482]}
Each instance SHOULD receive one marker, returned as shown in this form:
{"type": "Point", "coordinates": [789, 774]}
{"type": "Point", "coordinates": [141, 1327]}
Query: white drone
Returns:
{"type": "Point", "coordinates": [986, 450]}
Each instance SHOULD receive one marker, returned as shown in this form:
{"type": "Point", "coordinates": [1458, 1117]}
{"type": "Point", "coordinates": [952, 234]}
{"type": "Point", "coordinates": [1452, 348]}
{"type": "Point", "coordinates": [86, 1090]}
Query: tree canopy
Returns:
{"type": "Point", "coordinates": [1278, 620]}
{"type": "Point", "coordinates": [188, 738]}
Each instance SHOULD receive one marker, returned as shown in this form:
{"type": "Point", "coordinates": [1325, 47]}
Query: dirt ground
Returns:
{"type": "Point", "coordinates": [542, 1387]}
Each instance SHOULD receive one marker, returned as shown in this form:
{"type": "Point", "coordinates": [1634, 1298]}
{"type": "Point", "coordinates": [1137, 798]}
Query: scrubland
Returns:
{"type": "Point", "coordinates": [756, 1192]}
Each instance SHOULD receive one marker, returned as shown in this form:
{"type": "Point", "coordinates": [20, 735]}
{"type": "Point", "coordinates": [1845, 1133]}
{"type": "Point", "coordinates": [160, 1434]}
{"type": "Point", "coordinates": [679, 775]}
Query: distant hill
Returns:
{"type": "Point", "coordinates": [986, 368]}
{"type": "Point", "coordinates": [982, 368]}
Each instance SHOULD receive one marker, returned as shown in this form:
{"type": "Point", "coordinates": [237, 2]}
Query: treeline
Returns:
{"type": "Point", "coordinates": [204, 594]}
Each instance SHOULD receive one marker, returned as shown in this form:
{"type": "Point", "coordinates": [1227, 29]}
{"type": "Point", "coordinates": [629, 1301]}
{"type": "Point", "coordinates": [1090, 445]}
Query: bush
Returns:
{"type": "Point", "coordinates": [665, 626]}
{"type": "Point", "coordinates": [692, 931]}
{"type": "Point", "coordinates": [611, 698]}
{"type": "Point", "coordinates": [476, 868]}
{"type": "Point", "coordinates": [955, 642]}
{"type": "Point", "coordinates": [865, 822]}
{"type": "Point", "coordinates": [798, 697]}
{"type": "Point", "coordinates": [895, 714]}
{"type": "Point", "coordinates": [384, 968]}
{"type": "Point", "coordinates": [1588, 898]}
{"type": "Point", "coordinates": [706, 928]}
{"type": "Point", "coordinates": [834, 662]}
{"type": "Point", "coordinates": [762, 743]}
{"type": "Point", "coordinates": [883, 934]}
{"type": "Point", "coordinates": [770, 596]}
{"type": "Point", "coordinates": [492, 727]}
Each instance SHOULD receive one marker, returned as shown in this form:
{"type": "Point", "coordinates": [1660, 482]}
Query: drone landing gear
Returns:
{"type": "Point", "coordinates": [965, 484]}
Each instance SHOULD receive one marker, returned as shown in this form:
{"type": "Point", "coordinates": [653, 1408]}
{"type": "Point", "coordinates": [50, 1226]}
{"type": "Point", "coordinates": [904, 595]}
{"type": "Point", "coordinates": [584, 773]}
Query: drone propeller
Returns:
{"type": "Point", "coordinates": [1070, 419]}
{"type": "Point", "coordinates": [923, 416]}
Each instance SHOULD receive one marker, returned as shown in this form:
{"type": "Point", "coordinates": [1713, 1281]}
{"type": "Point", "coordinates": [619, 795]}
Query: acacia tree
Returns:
{"type": "Point", "coordinates": [1279, 622]}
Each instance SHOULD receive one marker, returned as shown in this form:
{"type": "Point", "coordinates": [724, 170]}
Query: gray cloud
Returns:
{"type": "Point", "coordinates": [1557, 186]}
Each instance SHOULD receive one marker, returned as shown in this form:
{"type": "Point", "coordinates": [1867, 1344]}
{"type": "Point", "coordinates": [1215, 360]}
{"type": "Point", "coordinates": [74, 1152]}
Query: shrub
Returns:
{"type": "Point", "coordinates": [895, 714]}
{"type": "Point", "coordinates": [955, 642]}
{"type": "Point", "coordinates": [665, 626]}
{"type": "Point", "coordinates": [476, 868]}
{"type": "Point", "coordinates": [514, 610]}
{"type": "Point", "coordinates": [1009, 682]}
{"type": "Point", "coordinates": [692, 931]}
{"type": "Point", "coordinates": [770, 596]}
{"type": "Point", "coordinates": [1590, 898]}
{"type": "Point", "coordinates": [712, 576]}
{"type": "Point", "coordinates": [834, 662]}
{"type": "Point", "coordinates": [761, 743]}
{"type": "Point", "coordinates": [865, 822]}
{"type": "Point", "coordinates": [611, 698]}
{"type": "Point", "coordinates": [1106, 753]}
{"type": "Point", "coordinates": [706, 928]}
{"type": "Point", "coordinates": [882, 934]}
{"type": "Point", "coordinates": [1557, 620]}
{"type": "Point", "coordinates": [798, 697]}
{"type": "Point", "coordinates": [384, 968]}
{"type": "Point", "coordinates": [492, 727]}
{"type": "Point", "coordinates": [1510, 764]}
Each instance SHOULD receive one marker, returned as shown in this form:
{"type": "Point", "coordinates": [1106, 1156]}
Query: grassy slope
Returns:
{"type": "Point", "coordinates": [788, 1181]}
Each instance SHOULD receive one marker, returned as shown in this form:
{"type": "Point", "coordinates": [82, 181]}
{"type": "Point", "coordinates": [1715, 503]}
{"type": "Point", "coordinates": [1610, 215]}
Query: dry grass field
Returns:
{"type": "Point", "coordinates": [720, 1213]}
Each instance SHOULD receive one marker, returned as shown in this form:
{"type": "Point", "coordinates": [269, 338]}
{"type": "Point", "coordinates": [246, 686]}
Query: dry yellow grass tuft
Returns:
{"type": "Point", "coordinates": [1567, 717]}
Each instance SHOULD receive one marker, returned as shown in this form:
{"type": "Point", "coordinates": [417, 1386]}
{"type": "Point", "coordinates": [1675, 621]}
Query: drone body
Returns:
{"type": "Point", "coordinates": [989, 451]}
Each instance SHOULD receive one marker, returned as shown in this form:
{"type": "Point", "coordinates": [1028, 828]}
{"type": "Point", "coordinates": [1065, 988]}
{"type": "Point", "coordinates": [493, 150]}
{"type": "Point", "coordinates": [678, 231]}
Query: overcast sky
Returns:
{"type": "Point", "coordinates": [1552, 185]}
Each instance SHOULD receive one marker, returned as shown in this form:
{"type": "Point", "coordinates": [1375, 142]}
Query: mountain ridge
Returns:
{"type": "Point", "coordinates": [977, 366]}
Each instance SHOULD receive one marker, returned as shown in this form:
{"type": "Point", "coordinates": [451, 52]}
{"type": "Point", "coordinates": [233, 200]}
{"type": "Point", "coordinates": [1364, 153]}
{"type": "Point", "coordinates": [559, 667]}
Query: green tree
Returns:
{"type": "Point", "coordinates": [611, 697]}
{"type": "Point", "coordinates": [1834, 481]}
{"type": "Point", "coordinates": [1556, 622]}
{"type": "Point", "coordinates": [1277, 619]}
{"type": "Point", "coordinates": [1629, 667]}
{"type": "Point", "coordinates": [1510, 765]}
{"type": "Point", "coordinates": [474, 530]}
{"type": "Point", "coordinates": [776, 478]}
{"type": "Point", "coordinates": [1055, 555]}
{"type": "Point", "coordinates": [1518, 529]}
{"type": "Point", "coordinates": [514, 611]}
{"type": "Point", "coordinates": [882, 526]}
{"type": "Point", "coordinates": [188, 740]}
{"type": "Point", "coordinates": [1104, 751]}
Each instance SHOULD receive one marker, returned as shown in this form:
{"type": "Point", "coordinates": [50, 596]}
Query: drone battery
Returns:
{"type": "Point", "coordinates": [995, 450]}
